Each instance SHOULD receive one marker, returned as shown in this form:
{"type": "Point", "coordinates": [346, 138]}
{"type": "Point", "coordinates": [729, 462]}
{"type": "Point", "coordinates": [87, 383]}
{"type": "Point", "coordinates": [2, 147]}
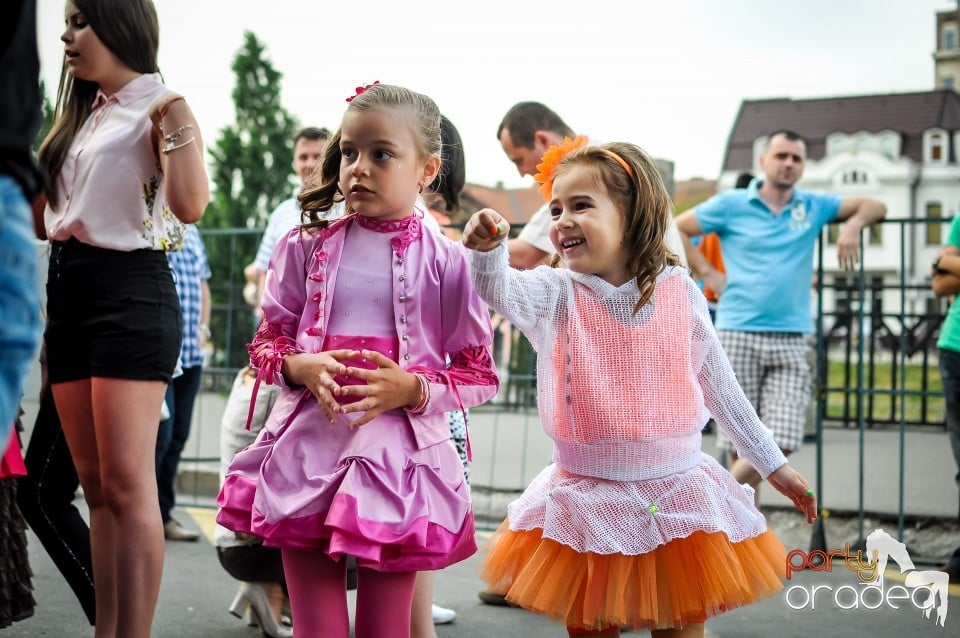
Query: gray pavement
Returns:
{"type": "Point", "coordinates": [509, 448]}
{"type": "Point", "coordinates": [196, 592]}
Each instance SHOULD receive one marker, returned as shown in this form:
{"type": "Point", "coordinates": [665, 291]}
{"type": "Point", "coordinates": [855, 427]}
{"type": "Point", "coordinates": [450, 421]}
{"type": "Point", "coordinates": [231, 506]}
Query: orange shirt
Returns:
{"type": "Point", "coordinates": [710, 248]}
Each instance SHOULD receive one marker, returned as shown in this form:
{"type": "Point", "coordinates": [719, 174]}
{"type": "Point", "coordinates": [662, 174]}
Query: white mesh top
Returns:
{"type": "Point", "coordinates": [624, 397]}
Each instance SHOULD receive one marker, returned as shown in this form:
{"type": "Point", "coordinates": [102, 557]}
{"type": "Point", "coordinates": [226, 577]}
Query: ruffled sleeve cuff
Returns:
{"type": "Point", "coordinates": [267, 351]}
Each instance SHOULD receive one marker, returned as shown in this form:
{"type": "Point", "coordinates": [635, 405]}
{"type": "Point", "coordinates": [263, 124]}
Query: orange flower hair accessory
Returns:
{"type": "Point", "coordinates": [548, 163]}
{"type": "Point", "coordinates": [361, 89]}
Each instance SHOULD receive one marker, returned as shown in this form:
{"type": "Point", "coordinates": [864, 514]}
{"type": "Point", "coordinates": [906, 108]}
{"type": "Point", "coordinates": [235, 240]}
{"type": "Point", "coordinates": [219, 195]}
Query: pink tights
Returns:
{"type": "Point", "coordinates": [318, 597]}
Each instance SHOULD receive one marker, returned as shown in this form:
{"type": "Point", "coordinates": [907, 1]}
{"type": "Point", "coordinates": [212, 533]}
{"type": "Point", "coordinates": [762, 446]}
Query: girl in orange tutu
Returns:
{"type": "Point", "coordinates": [632, 525]}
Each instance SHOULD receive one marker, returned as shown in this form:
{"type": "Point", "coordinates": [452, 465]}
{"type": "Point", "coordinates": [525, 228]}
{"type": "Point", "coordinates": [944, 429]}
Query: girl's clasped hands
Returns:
{"type": "Point", "coordinates": [388, 386]}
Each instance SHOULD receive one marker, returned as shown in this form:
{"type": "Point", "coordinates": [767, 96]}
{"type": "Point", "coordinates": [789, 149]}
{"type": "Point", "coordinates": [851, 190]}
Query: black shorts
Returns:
{"type": "Point", "coordinates": [110, 314]}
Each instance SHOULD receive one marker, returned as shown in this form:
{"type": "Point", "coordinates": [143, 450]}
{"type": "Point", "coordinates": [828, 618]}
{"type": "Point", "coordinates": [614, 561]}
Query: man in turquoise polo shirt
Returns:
{"type": "Point", "coordinates": [768, 232]}
{"type": "Point", "coordinates": [946, 282]}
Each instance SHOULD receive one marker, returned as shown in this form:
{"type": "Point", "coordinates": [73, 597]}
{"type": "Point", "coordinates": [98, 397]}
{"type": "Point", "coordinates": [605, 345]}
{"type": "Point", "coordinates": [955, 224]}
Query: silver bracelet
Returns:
{"type": "Point", "coordinates": [169, 148]}
{"type": "Point", "coordinates": [177, 134]}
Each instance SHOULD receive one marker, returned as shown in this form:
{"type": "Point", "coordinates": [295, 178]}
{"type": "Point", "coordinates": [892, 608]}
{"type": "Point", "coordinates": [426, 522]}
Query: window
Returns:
{"type": "Point", "coordinates": [855, 177]}
{"type": "Point", "coordinates": [833, 233]}
{"type": "Point", "coordinates": [873, 234]}
{"type": "Point", "coordinates": [949, 83]}
{"type": "Point", "coordinates": [934, 227]}
{"type": "Point", "coordinates": [950, 38]}
{"type": "Point", "coordinates": [936, 147]}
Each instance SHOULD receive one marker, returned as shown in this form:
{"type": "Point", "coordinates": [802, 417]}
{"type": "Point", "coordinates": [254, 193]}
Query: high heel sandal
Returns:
{"type": "Point", "coordinates": [253, 599]}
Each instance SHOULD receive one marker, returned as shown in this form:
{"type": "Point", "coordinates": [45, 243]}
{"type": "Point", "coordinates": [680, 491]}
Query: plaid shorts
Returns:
{"type": "Point", "coordinates": [773, 371]}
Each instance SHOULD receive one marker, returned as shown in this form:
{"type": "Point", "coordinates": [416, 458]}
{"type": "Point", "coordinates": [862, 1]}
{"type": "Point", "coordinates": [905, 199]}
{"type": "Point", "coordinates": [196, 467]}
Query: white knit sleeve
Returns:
{"type": "Point", "coordinates": [724, 397]}
{"type": "Point", "coordinates": [526, 298]}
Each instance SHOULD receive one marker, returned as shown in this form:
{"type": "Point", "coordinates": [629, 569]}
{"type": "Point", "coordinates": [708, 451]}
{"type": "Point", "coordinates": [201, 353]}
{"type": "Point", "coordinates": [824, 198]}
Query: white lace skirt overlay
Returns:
{"type": "Point", "coordinates": [635, 517]}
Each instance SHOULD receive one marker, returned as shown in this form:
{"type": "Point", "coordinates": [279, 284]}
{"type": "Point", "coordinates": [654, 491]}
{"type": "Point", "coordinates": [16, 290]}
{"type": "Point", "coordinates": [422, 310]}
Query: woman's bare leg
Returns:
{"type": "Point", "coordinates": [111, 429]}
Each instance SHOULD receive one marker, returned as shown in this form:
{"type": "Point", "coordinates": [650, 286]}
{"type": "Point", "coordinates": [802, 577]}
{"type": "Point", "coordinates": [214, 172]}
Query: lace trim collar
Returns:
{"type": "Point", "coordinates": [409, 229]}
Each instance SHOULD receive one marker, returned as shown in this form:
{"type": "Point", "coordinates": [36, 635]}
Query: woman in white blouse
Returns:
{"type": "Point", "coordinates": [125, 161]}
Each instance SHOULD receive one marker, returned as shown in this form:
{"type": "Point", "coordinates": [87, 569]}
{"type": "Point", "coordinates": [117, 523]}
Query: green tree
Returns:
{"type": "Point", "coordinates": [251, 174]}
{"type": "Point", "coordinates": [47, 118]}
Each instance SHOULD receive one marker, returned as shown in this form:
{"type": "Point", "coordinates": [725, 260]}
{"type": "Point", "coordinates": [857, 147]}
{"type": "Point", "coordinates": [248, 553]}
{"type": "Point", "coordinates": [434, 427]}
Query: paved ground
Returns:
{"type": "Point", "coordinates": [196, 592]}
{"type": "Point", "coordinates": [509, 449]}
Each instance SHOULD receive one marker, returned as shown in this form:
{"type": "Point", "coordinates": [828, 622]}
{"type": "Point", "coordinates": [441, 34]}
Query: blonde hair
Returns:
{"type": "Point", "coordinates": [643, 201]}
{"type": "Point", "coordinates": [322, 190]}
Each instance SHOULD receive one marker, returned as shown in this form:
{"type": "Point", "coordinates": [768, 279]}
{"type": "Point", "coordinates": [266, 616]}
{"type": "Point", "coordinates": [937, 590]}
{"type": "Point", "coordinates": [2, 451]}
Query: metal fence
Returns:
{"type": "Point", "coordinates": [874, 362]}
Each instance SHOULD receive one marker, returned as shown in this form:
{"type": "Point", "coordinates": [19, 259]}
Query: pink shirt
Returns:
{"type": "Point", "coordinates": [111, 186]}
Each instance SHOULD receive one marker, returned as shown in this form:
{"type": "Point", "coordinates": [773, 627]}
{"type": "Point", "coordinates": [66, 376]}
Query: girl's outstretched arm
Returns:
{"type": "Point", "coordinates": [723, 396]}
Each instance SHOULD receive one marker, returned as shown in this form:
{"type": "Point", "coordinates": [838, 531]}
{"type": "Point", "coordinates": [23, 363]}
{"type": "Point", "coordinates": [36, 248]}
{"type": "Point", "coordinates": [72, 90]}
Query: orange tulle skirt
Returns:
{"type": "Point", "coordinates": [685, 581]}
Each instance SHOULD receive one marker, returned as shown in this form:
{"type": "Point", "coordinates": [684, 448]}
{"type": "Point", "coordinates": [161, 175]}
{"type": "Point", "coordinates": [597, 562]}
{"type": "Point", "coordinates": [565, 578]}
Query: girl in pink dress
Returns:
{"type": "Point", "coordinates": [360, 316]}
{"type": "Point", "coordinates": [632, 525]}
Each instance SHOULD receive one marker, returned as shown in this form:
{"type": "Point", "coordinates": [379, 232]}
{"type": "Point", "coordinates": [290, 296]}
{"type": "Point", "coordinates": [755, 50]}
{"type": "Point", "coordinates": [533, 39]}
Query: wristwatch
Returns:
{"type": "Point", "coordinates": [205, 331]}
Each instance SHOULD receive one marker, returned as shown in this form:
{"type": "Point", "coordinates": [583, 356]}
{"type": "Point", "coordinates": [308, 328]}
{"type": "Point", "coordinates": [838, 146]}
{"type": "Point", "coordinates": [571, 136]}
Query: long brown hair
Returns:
{"type": "Point", "coordinates": [642, 199]}
{"type": "Point", "coordinates": [129, 28]}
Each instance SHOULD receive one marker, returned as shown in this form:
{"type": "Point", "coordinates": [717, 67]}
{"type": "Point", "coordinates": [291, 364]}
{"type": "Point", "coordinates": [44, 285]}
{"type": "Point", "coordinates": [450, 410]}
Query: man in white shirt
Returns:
{"type": "Point", "coordinates": [308, 148]}
{"type": "Point", "coordinates": [526, 132]}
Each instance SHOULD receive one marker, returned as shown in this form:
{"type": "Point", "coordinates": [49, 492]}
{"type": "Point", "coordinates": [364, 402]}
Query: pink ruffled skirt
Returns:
{"type": "Point", "coordinates": [368, 493]}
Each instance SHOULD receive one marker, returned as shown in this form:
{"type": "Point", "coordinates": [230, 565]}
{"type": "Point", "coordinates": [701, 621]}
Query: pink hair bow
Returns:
{"type": "Point", "coordinates": [361, 89]}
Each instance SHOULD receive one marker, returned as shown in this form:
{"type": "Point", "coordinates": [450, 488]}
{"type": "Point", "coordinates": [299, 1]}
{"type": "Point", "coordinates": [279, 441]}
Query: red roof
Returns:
{"type": "Point", "coordinates": [516, 204]}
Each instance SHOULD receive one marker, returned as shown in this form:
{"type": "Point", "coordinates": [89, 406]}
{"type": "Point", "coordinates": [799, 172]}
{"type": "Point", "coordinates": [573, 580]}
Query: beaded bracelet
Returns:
{"type": "Point", "coordinates": [169, 148]}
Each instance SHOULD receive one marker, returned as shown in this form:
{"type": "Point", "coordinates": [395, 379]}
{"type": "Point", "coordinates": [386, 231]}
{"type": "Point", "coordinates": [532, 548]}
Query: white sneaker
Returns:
{"type": "Point", "coordinates": [442, 615]}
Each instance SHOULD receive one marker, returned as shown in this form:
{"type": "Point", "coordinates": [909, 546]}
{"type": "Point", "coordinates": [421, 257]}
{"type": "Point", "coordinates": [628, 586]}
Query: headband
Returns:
{"type": "Point", "coordinates": [619, 160]}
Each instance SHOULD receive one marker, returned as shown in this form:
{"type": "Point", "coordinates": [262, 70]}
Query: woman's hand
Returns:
{"type": "Point", "coordinates": [316, 373]}
{"type": "Point", "coordinates": [388, 386]}
{"type": "Point", "coordinates": [791, 484]}
{"type": "Point", "coordinates": [485, 230]}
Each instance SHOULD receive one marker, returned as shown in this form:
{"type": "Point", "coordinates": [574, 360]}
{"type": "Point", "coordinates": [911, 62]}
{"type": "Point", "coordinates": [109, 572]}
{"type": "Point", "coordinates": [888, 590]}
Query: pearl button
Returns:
{"type": "Point", "coordinates": [403, 298]}
{"type": "Point", "coordinates": [407, 357]}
